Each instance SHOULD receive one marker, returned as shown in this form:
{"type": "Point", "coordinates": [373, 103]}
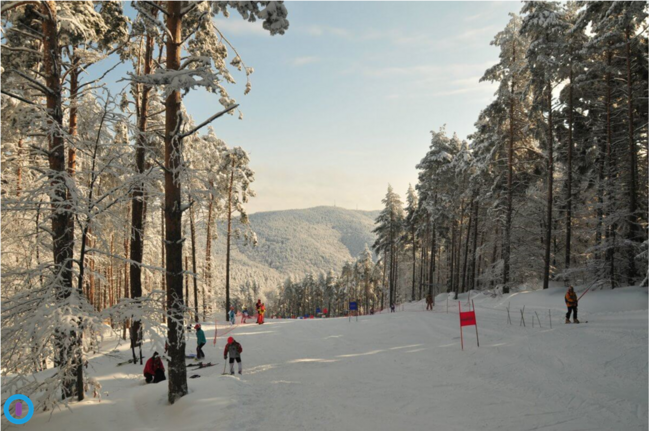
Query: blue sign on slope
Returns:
{"type": "Point", "coordinates": [353, 306]}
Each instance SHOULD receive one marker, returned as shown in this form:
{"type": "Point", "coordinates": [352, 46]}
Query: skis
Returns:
{"type": "Point", "coordinates": [130, 361]}
{"type": "Point", "coordinates": [200, 365]}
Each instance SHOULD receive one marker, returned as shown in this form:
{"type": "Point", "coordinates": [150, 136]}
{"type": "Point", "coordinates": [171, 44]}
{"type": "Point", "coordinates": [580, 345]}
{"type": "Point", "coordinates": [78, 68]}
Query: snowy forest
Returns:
{"type": "Point", "coordinates": [101, 190]}
{"type": "Point", "coordinates": [111, 201]}
{"type": "Point", "coordinates": [551, 187]}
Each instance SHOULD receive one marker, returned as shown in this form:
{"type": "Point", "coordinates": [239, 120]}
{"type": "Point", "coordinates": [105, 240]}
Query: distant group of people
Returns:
{"type": "Point", "coordinates": [154, 370]}
{"type": "Point", "coordinates": [259, 307]}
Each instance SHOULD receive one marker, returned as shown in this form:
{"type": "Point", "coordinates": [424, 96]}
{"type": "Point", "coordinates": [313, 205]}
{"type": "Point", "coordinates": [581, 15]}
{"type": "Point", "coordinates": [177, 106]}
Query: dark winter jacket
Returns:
{"type": "Point", "coordinates": [571, 299]}
{"type": "Point", "coordinates": [233, 349]}
{"type": "Point", "coordinates": [152, 365]}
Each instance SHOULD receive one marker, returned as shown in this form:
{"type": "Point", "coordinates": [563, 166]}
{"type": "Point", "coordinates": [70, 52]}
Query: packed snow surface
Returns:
{"type": "Point", "coordinates": [402, 371]}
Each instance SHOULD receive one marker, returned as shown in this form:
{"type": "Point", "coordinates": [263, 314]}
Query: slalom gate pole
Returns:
{"type": "Point", "coordinates": [475, 322]}
{"type": "Point", "coordinates": [461, 328]}
{"type": "Point", "coordinates": [214, 343]}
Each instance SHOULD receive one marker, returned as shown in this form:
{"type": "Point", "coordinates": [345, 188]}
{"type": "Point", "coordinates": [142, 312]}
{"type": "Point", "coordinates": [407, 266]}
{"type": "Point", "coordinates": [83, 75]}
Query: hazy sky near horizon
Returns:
{"type": "Point", "coordinates": [344, 102]}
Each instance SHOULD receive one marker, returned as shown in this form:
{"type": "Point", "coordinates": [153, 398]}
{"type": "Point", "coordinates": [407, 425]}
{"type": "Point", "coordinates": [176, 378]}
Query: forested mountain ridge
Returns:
{"type": "Point", "coordinates": [296, 243]}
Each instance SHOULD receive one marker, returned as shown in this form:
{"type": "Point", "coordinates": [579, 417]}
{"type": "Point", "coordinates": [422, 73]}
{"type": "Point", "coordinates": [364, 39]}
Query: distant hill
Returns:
{"type": "Point", "coordinates": [297, 242]}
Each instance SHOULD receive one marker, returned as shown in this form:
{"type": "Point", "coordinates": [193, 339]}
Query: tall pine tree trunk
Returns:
{"type": "Point", "coordinates": [414, 261]}
{"type": "Point", "coordinates": [569, 198]}
{"type": "Point", "coordinates": [173, 214]}
{"type": "Point", "coordinates": [549, 195]}
{"type": "Point", "coordinates": [469, 231]}
{"type": "Point", "coordinates": [207, 276]}
{"type": "Point", "coordinates": [610, 228]}
{"type": "Point", "coordinates": [232, 176]}
{"type": "Point", "coordinates": [163, 260]}
{"type": "Point", "coordinates": [196, 288]}
{"type": "Point", "coordinates": [19, 168]}
{"type": "Point", "coordinates": [632, 224]}
{"type": "Point", "coordinates": [508, 225]}
{"type": "Point", "coordinates": [62, 241]}
{"type": "Point", "coordinates": [472, 283]}
{"type": "Point", "coordinates": [432, 263]}
{"type": "Point", "coordinates": [137, 201]}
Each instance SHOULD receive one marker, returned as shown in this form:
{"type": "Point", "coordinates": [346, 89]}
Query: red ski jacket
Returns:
{"type": "Point", "coordinates": [234, 345]}
{"type": "Point", "coordinates": [152, 365]}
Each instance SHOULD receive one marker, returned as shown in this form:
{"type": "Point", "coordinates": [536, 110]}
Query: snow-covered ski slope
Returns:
{"type": "Point", "coordinates": [403, 371]}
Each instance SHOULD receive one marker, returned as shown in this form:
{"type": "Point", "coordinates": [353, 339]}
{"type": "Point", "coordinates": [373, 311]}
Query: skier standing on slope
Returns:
{"type": "Point", "coordinates": [429, 302]}
{"type": "Point", "coordinates": [571, 301]}
{"type": "Point", "coordinates": [260, 320]}
{"type": "Point", "coordinates": [231, 314]}
{"type": "Point", "coordinates": [233, 349]}
{"type": "Point", "coordinates": [200, 341]}
{"type": "Point", "coordinates": [392, 307]}
{"type": "Point", "coordinates": [154, 370]}
{"type": "Point", "coordinates": [244, 315]}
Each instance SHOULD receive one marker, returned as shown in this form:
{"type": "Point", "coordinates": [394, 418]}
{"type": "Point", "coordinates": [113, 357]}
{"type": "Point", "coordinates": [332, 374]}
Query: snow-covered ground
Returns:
{"type": "Point", "coordinates": [403, 371]}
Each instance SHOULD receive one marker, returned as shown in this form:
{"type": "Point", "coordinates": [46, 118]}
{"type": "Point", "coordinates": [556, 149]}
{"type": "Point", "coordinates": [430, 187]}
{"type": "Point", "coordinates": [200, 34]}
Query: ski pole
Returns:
{"type": "Point", "coordinates": [224, 367]}
{"type": "Point", "coordinates": [583, 293]}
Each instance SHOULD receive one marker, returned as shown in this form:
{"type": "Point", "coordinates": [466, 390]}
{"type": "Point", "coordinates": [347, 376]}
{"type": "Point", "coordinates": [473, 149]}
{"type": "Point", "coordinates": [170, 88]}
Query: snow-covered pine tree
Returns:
{"type": "Point", "coordinates": [189, 26]}
{"type": "Point", "coordinates": [411, 223]}
{"type": "Point", "coordinates": [238, 177]}
{"type": "Point", "coordinates": [389, 230]}
{"type": "Point", "coordinates": [544, 25]}
{"type": "Point", "coordinates": [511, 74]}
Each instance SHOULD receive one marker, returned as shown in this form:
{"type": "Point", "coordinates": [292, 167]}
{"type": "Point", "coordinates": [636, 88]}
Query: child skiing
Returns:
{"type": "Point", "coordinates": [200, 340]}
{"type": "Point", "coordinates": [244, 315]}
{"type": "Point", "coordinates": [154, 370]}
{"type": "Point", "coordinates": [233, 349]}
{"type": "Point", "coordinates": [571, 301]}
{"type": "Point", "coordinates": [231, 315]}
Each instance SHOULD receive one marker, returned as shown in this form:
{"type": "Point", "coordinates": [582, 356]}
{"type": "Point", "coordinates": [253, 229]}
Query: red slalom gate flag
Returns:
{"type": "Point", "coordinates": [467, 318]}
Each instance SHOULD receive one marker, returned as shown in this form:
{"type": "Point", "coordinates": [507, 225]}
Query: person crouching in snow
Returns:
{"type": "Point", "coordinates": [200, 341]}
{"type": "Point", "coordinates": [572, 305]}
{"type": "Point", "coordinates": [154, 370]}
{"type": "Point", "coordinates": [233, 349]}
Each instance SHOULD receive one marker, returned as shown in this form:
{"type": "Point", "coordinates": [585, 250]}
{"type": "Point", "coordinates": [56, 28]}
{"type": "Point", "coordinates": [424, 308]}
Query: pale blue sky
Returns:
{"type": "Point", "coordinates": [344, 102]}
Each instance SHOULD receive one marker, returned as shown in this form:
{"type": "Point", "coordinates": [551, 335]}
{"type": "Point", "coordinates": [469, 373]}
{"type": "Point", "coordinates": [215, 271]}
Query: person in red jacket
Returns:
{"type": "Point", "coordinates": [258, 306]}
{"type": "Point", "coordinates": [154, 370]}
{"type": "Point", "coordinates": [233, 349]}
{"type": "Point", "coordinates": [260, 320]}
